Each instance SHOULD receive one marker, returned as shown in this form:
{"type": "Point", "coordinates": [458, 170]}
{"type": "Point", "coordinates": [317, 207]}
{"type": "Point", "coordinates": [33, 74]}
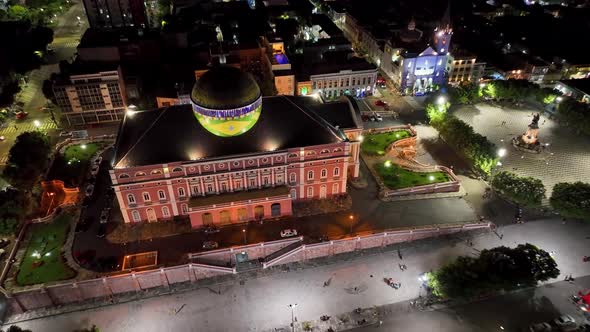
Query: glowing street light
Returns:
{"type": "Point", "coordinates": [244, 233]}
{"type": "Point", "coordinates": [431, 177]}
{"type": "Point", "coordinates": [441, 100]}
{"type": "Point", "coordinates": [37, 123]}
{"type": "Point", "coordinates": [502, 152]}
{"type": "Point", "coordinates": [559, 99]}
{"type": "Point", "coordinates": [387, 163]}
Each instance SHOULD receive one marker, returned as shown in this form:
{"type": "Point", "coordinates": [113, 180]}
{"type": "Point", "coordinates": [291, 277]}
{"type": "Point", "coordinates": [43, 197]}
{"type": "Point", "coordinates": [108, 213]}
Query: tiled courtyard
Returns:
{"type": "Point", "coordinates": [566, 159]}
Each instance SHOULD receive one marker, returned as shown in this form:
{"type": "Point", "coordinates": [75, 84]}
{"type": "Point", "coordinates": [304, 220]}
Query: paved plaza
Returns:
{"type": "Point", "coordinates": [566, 159]}
{"type": "Point", "coordinates": [261, 304]}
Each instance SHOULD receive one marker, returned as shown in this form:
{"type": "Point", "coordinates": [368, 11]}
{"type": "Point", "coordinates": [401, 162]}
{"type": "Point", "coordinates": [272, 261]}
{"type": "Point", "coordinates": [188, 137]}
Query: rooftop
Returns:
{"type": "Point", "coordinates": [173, 134]}
{"type": "Point", "coordinates": [238, 196]}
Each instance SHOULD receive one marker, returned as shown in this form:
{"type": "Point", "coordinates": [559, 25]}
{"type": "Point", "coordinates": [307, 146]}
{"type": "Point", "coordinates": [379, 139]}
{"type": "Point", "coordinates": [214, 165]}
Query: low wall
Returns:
{"type": "Point", "coordinates": [135, 282]}
{"type": "Point", "coordinates": [446, 187]}
{"type": "Point", "coordinates": [388, 129]}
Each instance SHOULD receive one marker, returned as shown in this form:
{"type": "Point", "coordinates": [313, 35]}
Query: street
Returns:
{"type": "Point", "coordinates": [260, 303]}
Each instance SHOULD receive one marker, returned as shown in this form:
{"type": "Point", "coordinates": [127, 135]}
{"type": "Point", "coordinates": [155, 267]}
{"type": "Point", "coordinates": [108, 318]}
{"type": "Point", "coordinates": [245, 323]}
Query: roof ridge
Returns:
{"type": "Point", "coordinates": [143, 134]}
{"type": "Point", "coordinates": [318, 119]}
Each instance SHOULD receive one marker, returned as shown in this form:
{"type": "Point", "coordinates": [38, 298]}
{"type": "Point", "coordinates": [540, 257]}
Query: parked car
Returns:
{"type": "Point", "coordinates": [378, 117]}
{"type": "Point", "coordinates": [97, 161]}
{"type": "Point", "coordinates": [21, 114]}
{"type": "Point", "coordinates": [380, 103]}
{"type": "Point", "coordinates": [94, 170]}
{"type": "Point", "coordinates": [102, 231]}
{"type": "Point", "coordinates": [104, 215]}
{"type": "Point", "coordinates": [210, 245]}
{"type": "Point", "coordinates": [4, 242]}
{"type": "Point", "coordinates": [89, 190]}
{"type": "Point", "coordinates": [288, 232]}
{"type": "Point", "coordinates": [211, 230]}
{"type": "Point", "coordinates": [65, 134]}
{"type": "Point", "coordinates": [540, 327]}
{"type": "Point", "coordinates": [565, 322]}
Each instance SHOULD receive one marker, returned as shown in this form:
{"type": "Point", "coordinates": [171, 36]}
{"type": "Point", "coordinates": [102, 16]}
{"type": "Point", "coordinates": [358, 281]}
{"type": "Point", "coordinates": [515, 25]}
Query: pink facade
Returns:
{"type": "Point", "coordinates": [160, 192]}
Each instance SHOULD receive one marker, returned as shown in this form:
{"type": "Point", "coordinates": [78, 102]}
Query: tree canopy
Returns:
{"type": "Point", "coordinates": [495, 269]}
{"type": "Point", "coordinates": [572, 199]}
{"type": "Point", "coordinates": [27, 159]}
{"type": "Point", "coordinates": [521, 190]}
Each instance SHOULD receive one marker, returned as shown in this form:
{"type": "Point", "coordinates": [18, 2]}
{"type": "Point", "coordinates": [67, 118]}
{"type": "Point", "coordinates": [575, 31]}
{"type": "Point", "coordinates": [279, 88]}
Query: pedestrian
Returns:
{"type": "Point", "coordinates": [399, 253]}
{"type": "Point", "coordinates": [501, 236]}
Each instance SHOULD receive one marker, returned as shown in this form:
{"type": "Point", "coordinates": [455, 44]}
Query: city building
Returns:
{"type": "Point", "coordinates": [577, 89]}
{"type": "Point", "coordinates": [120, 13]}
{"type": "Point", "coordinates": [90, 94]}
{"type": "Point", "coordinates": [464, 68]}
{"type": "Point", "coordinates": [232, 155]}
{"type": "Point", "coordinates": [341, 74]}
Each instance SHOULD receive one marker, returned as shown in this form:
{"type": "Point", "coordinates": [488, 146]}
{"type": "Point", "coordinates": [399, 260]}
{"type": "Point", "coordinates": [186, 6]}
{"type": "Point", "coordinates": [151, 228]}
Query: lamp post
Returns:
{"type": "Point", "coordinates": [292, 306]}
{"type": "Point", "coordinates": [244, 233]}
{"type": "Point", "coordinates": [51, 202]}
{"type": "Point", "coordinates": [351, 217]}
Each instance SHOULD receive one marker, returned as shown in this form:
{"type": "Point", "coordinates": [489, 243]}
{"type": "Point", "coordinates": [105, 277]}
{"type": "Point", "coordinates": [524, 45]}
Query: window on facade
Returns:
{"type": "Point", "coordinates": [324, 173]}
{"type": "Point", "coordinates": [337, 150]}
{"type": "Point", "coordinates": [135, 215]}
{"type": "Point", "coordinates": [161, 195]}
{"type": "Point", "coordinates": [146, 197]}
{"type": "Point", "coordinates": [292, 178]}
{"type": "Point", "coordinates": [310, 175]}
{"type": "Point", "coordinates": [123, 176]}
{"type": "Point", "coordinates": [195, 190]}
{"type": "Point", "coordinates": [266, 181]}
{"type": "Point", "coordinates": [309, 192]}
{"type": "Point", "coordinates": [252, 183]}
{"type": "Point", "coordinates": [156, 171]}
{"type": "Point", "coordinates": [336, 171]}
{"type": "Point", "coordinates": [279, 179]}
{"type": "Point", "coordinates": [184, 208]}
{"type": "Point", "coordinates": [181, 192]}
{"type": "Point", "coordinates": [165, 212]}
{"type": "Point", "coordinates": [238, 185]}
{"type": "Point", "coordinates": [209, 188]}
{"type": "Point", "coordinates": [140, 174]}
{"type": "Point", "coordinates": [223, 186]}
{"type": "Point", "coordinates": [293, 155]}
{"type": "Point", "coordinates": [131, 198]}
{"type": "Point", "coordinates": [177, 169]}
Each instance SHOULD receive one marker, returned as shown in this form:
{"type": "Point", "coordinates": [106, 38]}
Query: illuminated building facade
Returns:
{"type": "Point", "coordinates": [231, 156]}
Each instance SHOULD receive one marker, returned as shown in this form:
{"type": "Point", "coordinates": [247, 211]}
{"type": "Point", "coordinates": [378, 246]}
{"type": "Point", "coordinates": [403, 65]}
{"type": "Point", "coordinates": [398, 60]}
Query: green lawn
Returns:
{"type": "Point", "coordinates": [375, 144]}
{"type": "Point", "coordinates": [395, 177]}
{"type": "Point", "coordinates": [81, 152]}
{"type": "Point", "coordinates": [43, 261]}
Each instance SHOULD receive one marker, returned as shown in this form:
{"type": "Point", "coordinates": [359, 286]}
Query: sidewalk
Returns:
{"type": "Point", "coordinates": [259, 302]}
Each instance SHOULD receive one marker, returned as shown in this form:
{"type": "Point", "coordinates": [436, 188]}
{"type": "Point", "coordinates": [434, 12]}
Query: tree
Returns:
{"type": "Point", "coordinates": [27, 159]}
{"type": "Point", "coordinates": [19, 13]}
{"type": "Point", "coordinates": [574, 114]}
{"type": "Point", "coordinates": [522, 190]}
{"type": "Point", "coordinates": [572, 199]}
{"type": "Point", "coordinates": [495, 269]}
{"type": "Point", "coordinates": [15, 328]}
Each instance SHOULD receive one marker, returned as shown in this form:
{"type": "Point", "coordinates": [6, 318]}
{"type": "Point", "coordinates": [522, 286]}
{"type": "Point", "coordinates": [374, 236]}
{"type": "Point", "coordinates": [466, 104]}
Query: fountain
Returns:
{"type": "Point", "coordinates": [528, 141]}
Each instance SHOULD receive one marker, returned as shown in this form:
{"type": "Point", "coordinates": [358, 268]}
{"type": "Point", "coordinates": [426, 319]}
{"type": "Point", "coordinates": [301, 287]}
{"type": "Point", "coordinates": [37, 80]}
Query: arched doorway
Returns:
{"type": "Point", "coordinates": [151, 215]}
{"type": "Point", "coordinates": [242, 214]}
{"type": "Point", "coordinates": [258, 212]}
{"type": "Point", "coordinates": [322, 191]}
{"type": "Point", "coordinates": [207, 218]}
{"type": "Point", "coordinates": [224, 217]}
{"type": "Point", "coordinates": [275, 210]}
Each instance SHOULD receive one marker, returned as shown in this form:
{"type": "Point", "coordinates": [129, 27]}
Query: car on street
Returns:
{"type": "Point", "coordinates": [97, 160]}
{"type": "Point", "coordinates": [210, 245]}
{"type": "Point", "coordinates": [380, 103]}
{"type": "Point", "coordinates": [21, 114]}
{"type": "Point", "coordinates": [211, 230]}
{"type": "Point", "coordinates": [65, 134]}
{"type": "Point", "coordinates": [566, 323]}
{"type": "Point", "coordinates": [377, 117]}
{"type": "Point", "coordinates": [540, 327]}
{"type": "Point", "coordinates": [94, 170]}
{"type": "Point", "coordinates": [104, 215]}
{"type": "Point", "coordinates": [102, 231]}
{"type": "Point", "coordinates": [89, 190]}
{"type": "Point", "coordinates": [288, 232]}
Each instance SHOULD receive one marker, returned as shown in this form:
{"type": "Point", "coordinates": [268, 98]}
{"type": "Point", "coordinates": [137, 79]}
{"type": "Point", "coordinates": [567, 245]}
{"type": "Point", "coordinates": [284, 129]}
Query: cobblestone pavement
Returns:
{"type": "Point", "coordinates": [261, 303]}
{"type": "Point", "coordinates": [566, 159]}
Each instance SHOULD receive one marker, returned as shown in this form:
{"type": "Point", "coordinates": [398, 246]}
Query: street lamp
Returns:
{"type": "Point", "coordinates": [51, 202]}
{"type": "Point", "coordinates": [292, 306]}
{"type": "Point", "coordinates": [502, 152]}
{"type": "Point", "coordinates": [244, 233]}
{"type": "Point", "coordinates": [441, 100]}
{"type": "Point", "coordinates": [351, 217]}
{"type": "Point", "coordinates": [37, 123]}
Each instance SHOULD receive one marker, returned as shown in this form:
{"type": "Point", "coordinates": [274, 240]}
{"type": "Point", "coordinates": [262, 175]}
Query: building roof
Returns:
{"type": "Point", "coordinates": [173, 134]}
{"type": "Point", "coordinates": [582, 85]}
{"type": "Point", "coordinates": [337, 113]}
{"type": "Point", "coordinates": [225, 87]}
{"type": "Point", "coordinates": [238, 196]}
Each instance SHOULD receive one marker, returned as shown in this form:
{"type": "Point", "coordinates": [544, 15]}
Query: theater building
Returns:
{"type": "Point", "coordinates": [232, 155]}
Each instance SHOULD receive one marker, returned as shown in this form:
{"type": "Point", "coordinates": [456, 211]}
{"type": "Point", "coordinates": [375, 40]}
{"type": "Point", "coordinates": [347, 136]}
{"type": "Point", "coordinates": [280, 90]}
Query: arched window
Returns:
{"type": "Point", "coordinates": [123, 176]}
{"type": "Point", "coordinates": [184, 208]}
{"type": "Point", "coordinates": [181, 192]}
{"type": "Point", "coordinates": [293, 155]}
{"type": "Point", "coordinates": [311, 153]}
{"type": "Point", "coordinates": [324, 151]}
{"type": "Point", "coordinates": [165, 212]}
{"type": "Point", "coordinates": [336, 171]}
{"type": "Point", "coordinates": [156, 171]}
{"type": "Point", "coordinates": [324, 173]}
{"type": "Point", "coordinates": [146, 197]}
{"type": "Point", "coordinates": [131, 199]}
{"type": "Point", "coordinates": [161, 194]}
{"type": "Point", "coordinates": [177, 169]}
{"type": "Point", "coordinates": [310, 175]}
{"type": "Point", "coordinates": [135, 215]}
{"type": "Point", "coordinates": [140, 174]}
{"type": "Point", "coordinates": [309, 192]}
{"type": "Point", "coordinates": [292, 177]}
{"type": "Point", "coordinates": [337, 150]}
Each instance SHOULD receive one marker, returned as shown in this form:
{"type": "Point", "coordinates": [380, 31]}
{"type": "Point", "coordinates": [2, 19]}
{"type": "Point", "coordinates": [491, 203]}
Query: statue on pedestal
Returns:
{"type": "Point", "coordinates": [528, 141]}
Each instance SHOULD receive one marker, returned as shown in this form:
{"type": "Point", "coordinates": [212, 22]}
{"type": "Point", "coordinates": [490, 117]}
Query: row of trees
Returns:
{"type": "Point", "coordinates": [514, 90]}
{"type": "Point", "coordinates": [526, 191]}
{"type": "Point", "coordinates": [477, 148]}
{"type": "Point", "coordinates": [572, 200]}
{"type": "Point", "coordinates": [494, 270]}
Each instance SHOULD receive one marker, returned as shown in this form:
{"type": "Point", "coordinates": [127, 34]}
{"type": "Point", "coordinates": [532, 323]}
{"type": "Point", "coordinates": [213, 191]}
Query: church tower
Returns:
{"type": "Point", "coordinates": [443, 33]}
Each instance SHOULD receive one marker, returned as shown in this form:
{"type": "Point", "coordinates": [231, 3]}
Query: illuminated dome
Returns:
{"type": "Point", "coordinates": [226, 101]}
